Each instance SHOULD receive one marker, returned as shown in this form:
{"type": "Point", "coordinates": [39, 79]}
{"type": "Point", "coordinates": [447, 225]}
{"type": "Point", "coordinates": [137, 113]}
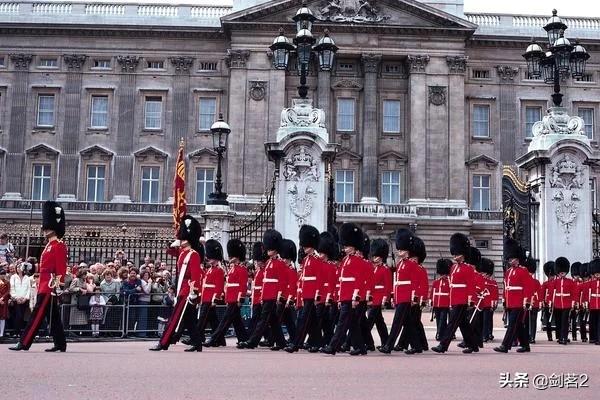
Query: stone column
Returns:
{"type": "Point", "coordinates": [69, 157]}
{"type": "Point", "coordinates": [217, 224]}
{"type": "Point", "coordinates": [509, 111]}
{"type": "Point", "coordinates": [123, 172]}
{"type": "Point", "coordinates": [236, 61]}
{"type": "Point", "coordinates": [457, 174]}
{"type": "Point", "coordinates": [417, 85]}
{"type": "Point", "coordinates": [324, 99]}
{"type": "Point", "coordinates": [15, 155]}
{"type": "Point", "coordinates": [370, 175]}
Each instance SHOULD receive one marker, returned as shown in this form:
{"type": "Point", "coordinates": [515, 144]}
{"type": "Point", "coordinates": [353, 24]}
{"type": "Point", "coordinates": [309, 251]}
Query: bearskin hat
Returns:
{"type": "Point", "coordinates": [214, 250]}
{"type": "Point", "coordinates": [585, 270]}
{"type": "Point", "coordinates": [576, 269]}
{"type": "Point", "coordinates": [474, 258]}
{"type": "Point", "coordinates": [190, 231]}
{"type": "Point", "coordinates": [531, 265]}
{"type": "Point", "coordinates": [487, 266]}
{"type": "Point", "coordinates": [288, 250]}
{"type": "Point", "coordinates": [562, 264]}
{"type": "Point", "coordinates": [442, 266]}
{"type": "Point", "coordinates": [53, 218]}
{"type": "Point", "coordinates": [328, 246]}
{"type": "Point", "coordinates": [404, 240]}
{"type": "Point", "coordinates": [460, 245]}
{"type": "Point", "coordinates": [351, 235]}
{"type": "Point", "coordinates": [301, 255]}
{"type": "Point", "coordinates": [235, 248]}
{"type": "Point", "coordinates": [549, 269]}
{"type": "Point", "coordinates": [334, 232]}
{"type": "Point", "coordinates": [258, 252]}
{"type": "Point", "coordinates": [512, 249]}
{"type": "Point", "coordinates": [272, 240]}
{"type": "Point", "coordinates": [380, 248]}
{"type": "Point", "coordinates": [595, 266]}
{"type": "Point", "coordinates": [366, 247]}
{"type": "Point", "coordinates": [419, 250]}
{"type": "Point", "coordinates": [309, 236]}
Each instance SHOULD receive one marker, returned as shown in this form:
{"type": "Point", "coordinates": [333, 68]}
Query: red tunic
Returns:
{"type": "Point", "coordinates": [4, 296]}
{"type": "Point", "coordinates": [594, 294]}
{"type": "Point", "coordinates": [312, 277]}
{"type": "Point", "coordinates": [565, 293]}
{"type": "Point", "coordinates": [193, 271]}
{"type": "Point", "coordinates": [491, 299]}
{"type": "Point", "coordinates": [292, 284]}
{"type": "Point", "coordinates": [440, 292]}
{"type": "Point", "coordinates": [213, 285]}
{"type": "Point", "coordinates": [462, 283]}
{"type": "Point", "coordinates": [237, 283]}
{"type": "Point", "coordinates": [257, 286]}
{"type": "Point", "coordinates": [382, 284]}
{"type": "Point", "coordinates": [331, 280]}
{"type": "Point", "coordinates": [407, 281]}
{"type": "Point", "coordinates": [368, 272]}
{"type": "Point", "coordinates": [547, 290]}
{"type": "Point", "coordinates": [351, 274]}
{"type": "Point", "coordinates": [52, 261]}
{"type": "Point", "coordinates": [538, 294]}
{"type": "Point", "coordinates": [518, 287]}
{"type": "Point", "coordinates": [275, 279]}
{"type": "Point", "coordinates": [423, 284]}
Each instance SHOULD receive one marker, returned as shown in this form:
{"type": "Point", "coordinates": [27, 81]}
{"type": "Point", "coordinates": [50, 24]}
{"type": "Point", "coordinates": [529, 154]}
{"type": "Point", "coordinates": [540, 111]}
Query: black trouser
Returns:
{"type": "Point", "coordinates": [441, 320]}
{"type": "Point", "coordinates": [186, 313]}
{"type": "Point", "coordinates": [458, 319]}
{"type": "Point", "coordinates": [401, 319]}
{"type": "Point", "coordinates": [328, 323]}
{"type": "Point", "coordinates": [46, 306]}
{"type": "Point", "coordinates": [573, 316]}
{"type": "Point", "coordinates": [594, 325]}
{"type": "Point", "coordinates": [357, 326]}
{"type": "Point", "coordinates": [547, 321]}
{"type": "Point", "coordinates": [233, 315]}
{"type": "Point", "coordinates": [487, 316]}
{"type": "Point", "coordinates": [287, 316]}
{"type": "Point", "coordinates": [561, 316]}
{"type": "Point", "coordinates": [375, 318]}
{"type": "Point", "coordinates": [583, 324]}
{"type": "Point", "coordinates": [19, 317]}
{"type": "Point", "coordinates": [305, 318]}
{"type": "Point", "coordinates": [343, 323]}
{"type": "Point", "coordinates": [268, 319]}
{"type": "Point", "coordinates": [315, 338]}
{"type": "Point", "coordinates": [516, 328]}
{"type": "Point", "coordinates": [414, 330]}
{"type": "Point", "coordinates": [533, 315]}
{"type": "Point", "coordinates": [256, 311]}
{"type": "Point", "coordinates": [477, 326]}
{"type": "Point", "coordinates": [203, 318]}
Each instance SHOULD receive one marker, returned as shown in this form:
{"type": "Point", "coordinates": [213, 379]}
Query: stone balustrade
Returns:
{"type": "Point", "coordinates": [9, 8]}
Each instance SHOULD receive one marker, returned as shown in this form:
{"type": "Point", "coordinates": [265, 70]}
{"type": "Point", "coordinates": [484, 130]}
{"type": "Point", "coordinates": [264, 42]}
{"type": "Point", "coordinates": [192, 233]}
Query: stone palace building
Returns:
{"type": "Point", "coordinates": [429, 105]}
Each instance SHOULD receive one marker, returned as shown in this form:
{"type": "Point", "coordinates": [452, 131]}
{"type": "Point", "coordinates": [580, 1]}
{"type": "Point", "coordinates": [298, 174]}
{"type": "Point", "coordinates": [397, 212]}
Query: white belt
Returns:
{"type": "Point", "coordinates": [233, 284]}
{"type": "Point", "coordinates": [458, 285]}
{"type": "Point", "coordinates": [514, 288]}
{"type": "Point", "coordinates": [209, 285]}
{"type": "Point", "coordinates": [441, 294]}
{"type": "Point", "coordinates": [563, 294]}
{"type": "Point", "coordinates": [398, 283]}
{"type": "Point", "coordinates": [595, 295]}
{"type": "Point", "coordinates": [270, 280]}
{"type": "Point", "coordinates": [326, 284]}
{"type": "Point", "coordinates": [257, 287]}
{"type": "Point", "coordinates": [347, 279]}
{"type": "Point", "coordinates": [309, 278]}
{"type": "Point", "coordinates": [379, 287]}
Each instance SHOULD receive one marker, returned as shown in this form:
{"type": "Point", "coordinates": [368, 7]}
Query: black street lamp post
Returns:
{"type": "Point", "coordinates": [220, 131]}
{"type": "Point", "coordinates": [561, 58]}
{"type": "Point", "coordinates": [304, 47]}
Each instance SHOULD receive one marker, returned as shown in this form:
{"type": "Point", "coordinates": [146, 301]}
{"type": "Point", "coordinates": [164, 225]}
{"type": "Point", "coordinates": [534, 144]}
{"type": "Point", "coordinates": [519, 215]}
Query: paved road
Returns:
{"type": "Point", "coordinates": [127, 370]}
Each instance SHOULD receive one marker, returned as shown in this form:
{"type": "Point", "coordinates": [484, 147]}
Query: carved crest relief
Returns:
{"type": "Point", "coordinates": [302, 114]}
{"type": "Point", "coordinates": [357, 11]}
{"type": "Point", "coordinates": [300, 170]}
{"type": "Point", "coordinates": [568, 179]}
{"type": "Point", "coordinates": [437, 95]}
{"type": "Point", "coordinates": [258, 90]}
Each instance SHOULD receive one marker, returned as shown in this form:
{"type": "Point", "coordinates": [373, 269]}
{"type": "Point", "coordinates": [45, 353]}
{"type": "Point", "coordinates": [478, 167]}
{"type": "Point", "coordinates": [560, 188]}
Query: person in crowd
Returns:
{"type": "Point", "coordinates": [157, 292]}
{"type": "Point", "coordinates": [90, 282]}
{"type": "Point", "coordinates": [4, 299]}
{"type": "Point", "coordinates": [69, 276]}
{"type": "Point", "coordinates": [33, 289]}
{"type": "Point", "coordinates": [110, 287]}
{"type": "Point", "coordinates": [20, 287]}
{"type": "Point", "coordinates": [168, 302]}
{"type": "Point", "coordinates": [7, 250]}
{"type": "Point", "coordinates": [79, 288]}
{"type": "Point", "coordinates": [143, 303]}
{"type": "Point", "coordinates": [130, 288]}
{"type": "Point", "coordinates": [122, 274]}
{"type": "Point", "coordinates": [97, 305]}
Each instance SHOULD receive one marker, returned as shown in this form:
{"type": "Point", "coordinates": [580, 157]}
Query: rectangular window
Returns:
{"type": "Point", "coordinates": [345, 115]}
{"type": "Point", "coordinates": [96, 176]}
{"type": "Point", "coordinates": [532, 115]}
{"type": "Point", "coordinates": [205, 184]}
{"type": "Point", "coordinates": [345, 67]}
{"type": "Point", "coordinates": [2, 62]}
{"type": "Point", "coordinates": [481, 74]}
{"type": "Point", "coordinates": [153, 112]}
{"type": "Point", "coordinates": [593, 193]}
{"type": "Point", "coordinates": [48, 62]}
{"type": "Point", "coordinates": [588, 119]}
{"type": "Point", "coordinates": [392, 68]}
{"type": "Point", "coordinates": [45, 111]}
{"type": "Point", "coordinates": [390, 187]}
{"type": "Point", "coordinates": [208, 66]}
{"type": "Point", "coordinates": [41, 182]}
{"type": "Point", "coordinates": [391, 116]}
{"type": "Point", "coordinates": [102, 63]}
{"type": "Point", "coordinates": [481, 121]}
{"type": "Point", "coordinates": [99, 112]}
{"type": "Point", "coordinates": [155, 64]}
{"type": "Point", "coordinates": [150, 184]}
{"type": "Point", "coordinates": [207, 108]}
{"type": "Point", "coordinates": [344, 186]}
{"type": "Point", "coordinates": [589, 77]}
{"type": "Point", "coordinates": [481, 193]}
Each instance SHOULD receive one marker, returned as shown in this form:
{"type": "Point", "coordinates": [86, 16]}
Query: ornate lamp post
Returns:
{"type": "Point", "coordinates": [561, 58]}
{"type": "Point", "coordinates": [220, 132]}
{"type": "Point", "coordinates": [304, 47]}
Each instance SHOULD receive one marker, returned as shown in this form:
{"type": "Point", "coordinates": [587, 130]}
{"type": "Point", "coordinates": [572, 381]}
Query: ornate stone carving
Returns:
{"type": "Point", "coordinates": [417, 63]}
{"type": "Point", "coordinates": [21, 60]}
{"type": "Point", "coordinates": [128, 63]}
{"type": "Point", "coordinates": [568, 180]}
{"type": "Point", "coordinates": [507, 72]}
{"type": "Point", "coordinates": [182, 64]}
{"type": "Point", "coordinates": [302, 114]}
{"type": "Point", "coordinates": [215, 230]}
{"type": "Point", "coordinates": [371, 62]}
{"type": "Point", "coordinates": [258, 90]}
{"type": "Point", "coordinates": [437, 95]}
{"type": "Point", "coordinates": [301, 170]}
{"type": "Point", "coordinates": [357, 11]}
{"type": "Point", "coordinates": [557, 121]}
{"type": "Point", "coordinates": [346, 84]}
{"type": "Point", "coordinates": [457, 64]}
{"type": "Point", "coordinates": [237, 58]}
{"type": "Point", "coordinates": [74, 61]}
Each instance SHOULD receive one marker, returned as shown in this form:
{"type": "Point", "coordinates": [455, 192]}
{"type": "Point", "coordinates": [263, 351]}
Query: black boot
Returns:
{"type": "Point", "coordinates": [438, 349]}
{"type": "Point", "coordinates": [327, 350]}
{"type": "Point", "coordinates": [18, 347]}
{"type": "Point", "coordinates": [55, 348]}
{"type": "Point", "coordinates": [385, 349]}
{"type": "Point", "coordinates": [501, 349]}
{"type": "Point", "coordinates": [358, 352]}
{"type": "Point", "coordinates": [413, 351]}
{"type": "Point", "coordinates": [524, 349]}
{"type": "Point", "coordinates": [194, 348]}
{"type": "Point", "coordinates": [158, 347]}
{"type": "Point", "coordinates": [291, 349]}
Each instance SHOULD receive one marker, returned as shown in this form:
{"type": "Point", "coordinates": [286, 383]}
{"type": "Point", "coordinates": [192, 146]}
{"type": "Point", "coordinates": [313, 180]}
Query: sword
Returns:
{"type": "Point", "coordinates": [53, 283]}
{"type": "Point", "coordinates": [485, 292]}
{"type": "Point", "coordinates": [432, 302]}
{"type": "Point", "coordinates": [552, 308]}
{"type": "Point", "coordinates": [187, 301]}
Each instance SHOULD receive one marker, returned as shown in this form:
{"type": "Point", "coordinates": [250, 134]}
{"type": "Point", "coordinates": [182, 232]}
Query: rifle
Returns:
{"type": "Point", "coordinates": [432, 301]}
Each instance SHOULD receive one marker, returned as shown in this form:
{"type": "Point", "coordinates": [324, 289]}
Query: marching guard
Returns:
{"type": "Point", "coordinates": [593, 296]}
{"type": "Point", "coordinates": [382, 287]}
{"type": "Point", "coordinates": [53, 266]}
{"type": "Point", "coordinates": [329, 253]}
{"type": "Point", "coordinates": [440, 296]}
{"type": "Point", "coordinates": [189, 278]}
{"type": "Point", "coordinates": [259, 258]}
{"type": "Point", "coordinates": [489, 302]}
{"type": "Point", "coordinates": [564, 291]}
{"type": "Point", "coordinates": [548, 298]}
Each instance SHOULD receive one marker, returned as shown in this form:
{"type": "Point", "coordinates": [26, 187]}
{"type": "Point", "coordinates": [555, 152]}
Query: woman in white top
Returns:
{"type": "Point", "coordinates": [20, 292]}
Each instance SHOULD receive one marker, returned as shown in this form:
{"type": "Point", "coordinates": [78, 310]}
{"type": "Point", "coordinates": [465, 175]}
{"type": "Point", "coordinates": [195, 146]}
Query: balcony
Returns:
{"type": "Point", "coordinates": [485, 215]}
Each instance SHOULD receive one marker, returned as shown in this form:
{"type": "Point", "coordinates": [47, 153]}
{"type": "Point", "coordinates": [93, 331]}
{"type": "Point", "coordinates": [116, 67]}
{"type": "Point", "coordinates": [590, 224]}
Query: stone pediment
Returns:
{"type": "Point", "coordinates": [348, 154]}
{"type": "Point", "coordinates": [150, 151]}
{"type": "Point", "coordinates": [488, 161]}
{"type": "Point", "coordinates": [205, 152]}
{"type": "Point", "coordinates": [89, 152]}
{"type": "Point", "coordinates": [42, 150]}
{"type": "Point", "coordinates": [404, 14]}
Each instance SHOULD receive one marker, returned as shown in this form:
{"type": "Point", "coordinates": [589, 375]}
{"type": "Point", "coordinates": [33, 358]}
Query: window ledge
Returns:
{"type": "Point", "coordinates": [481, 139]}
{"type": "Point", "coordinates": [49, 68]}
{"type": "Point", "coordinates": [97, 131]}
{"type": "Point", "coordinates": [146, 131]}
{"type": "Point", "coordinates": [203, 132]}
{"type": "Point", "coordinates": [392, 134]}
{"type": "Point", "coordinates": [44, 129]}
{"type": "Point", "coordinates": [346, 135]}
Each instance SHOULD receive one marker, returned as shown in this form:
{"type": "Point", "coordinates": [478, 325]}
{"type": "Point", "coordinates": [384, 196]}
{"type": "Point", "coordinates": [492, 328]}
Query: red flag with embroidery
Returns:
{"type": "Point", "coordinates": [179, 203]}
